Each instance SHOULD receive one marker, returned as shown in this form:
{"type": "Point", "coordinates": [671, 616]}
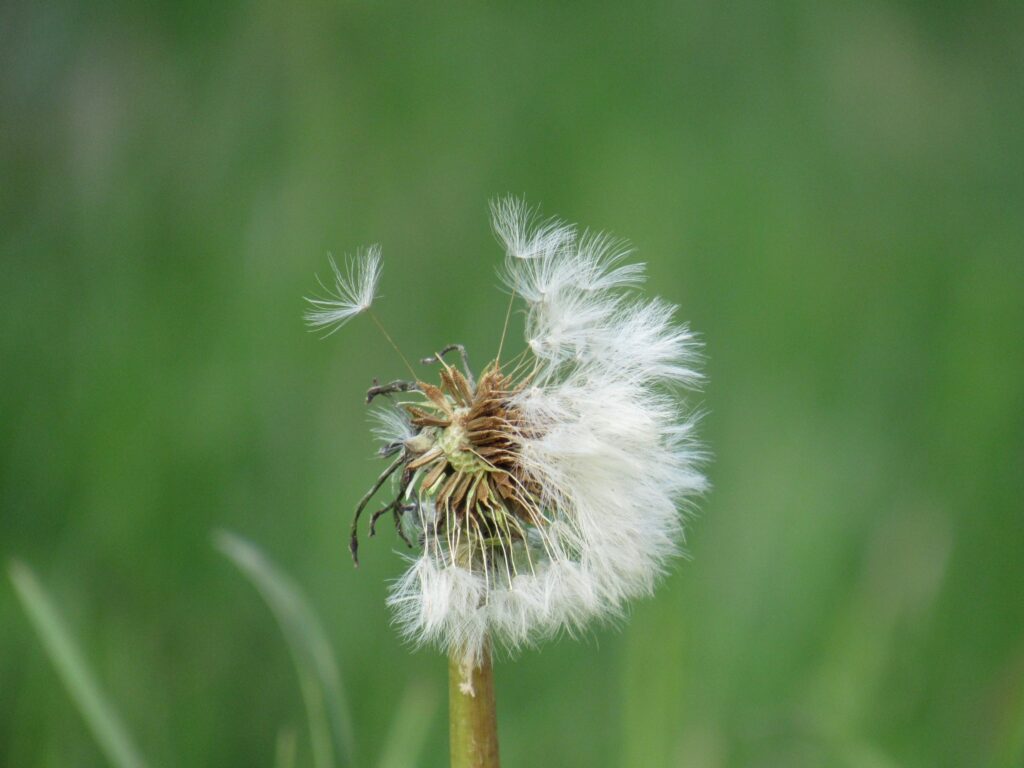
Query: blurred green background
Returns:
{"type": "Point", "coordinates": [833, 193]}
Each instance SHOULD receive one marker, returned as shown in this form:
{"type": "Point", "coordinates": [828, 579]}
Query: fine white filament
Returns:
{"type": "Point", "coordinates": [353, 292]}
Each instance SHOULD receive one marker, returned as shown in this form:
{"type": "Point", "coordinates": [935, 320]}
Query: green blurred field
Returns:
{"type": "Point", "coordinates": [833, 193]}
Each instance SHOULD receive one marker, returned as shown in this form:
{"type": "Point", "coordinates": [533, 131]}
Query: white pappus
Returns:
{"type": "Point", "coordinates": [354, 290]}
{"type": "Point", "coordinates": [550, 490]}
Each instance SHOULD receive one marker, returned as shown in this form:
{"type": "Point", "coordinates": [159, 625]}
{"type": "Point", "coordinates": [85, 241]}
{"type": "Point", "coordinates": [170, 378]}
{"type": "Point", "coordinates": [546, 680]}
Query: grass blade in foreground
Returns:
{"type": "Point", "coordinates": [73, 671]}
{"type": "Point", "coordinates": [286, 749]}
{"type": "Point", "coordinates": [409, 728]}
{"type": "Point", "coordinates": [329, 725]}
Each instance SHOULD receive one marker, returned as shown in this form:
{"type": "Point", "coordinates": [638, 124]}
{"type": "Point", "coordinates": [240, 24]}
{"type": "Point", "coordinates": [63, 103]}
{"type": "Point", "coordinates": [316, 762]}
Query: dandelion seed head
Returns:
{"type": "Point", "coordinates": [545, 495]}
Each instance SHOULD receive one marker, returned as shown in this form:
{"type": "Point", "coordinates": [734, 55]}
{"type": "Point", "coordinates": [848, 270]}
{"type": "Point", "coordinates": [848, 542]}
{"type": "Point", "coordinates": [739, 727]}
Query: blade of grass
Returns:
{"type": "Point", "coordinates": [286, 748]}
{"type": "Point", "coordinates": [330, 727]}
{"type": "Point", "coordinates": [410, 727]}
{"type": "Point", "coordinates": [1008, 742]}
{"type": "Point", "coordinates": [73, 671]}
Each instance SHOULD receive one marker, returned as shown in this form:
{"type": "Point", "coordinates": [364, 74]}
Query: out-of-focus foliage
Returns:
{"type": "Point", "coordinates": [330, 726]}
{"type": "Point", "coordinates": [74, 671]}
{"type": "Point", "coordinates": [833, 193]}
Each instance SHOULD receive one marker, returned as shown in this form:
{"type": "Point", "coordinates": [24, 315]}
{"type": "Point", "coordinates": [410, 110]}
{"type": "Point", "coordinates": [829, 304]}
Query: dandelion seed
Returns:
{"type": "Point", "coordinates": [353, 292]}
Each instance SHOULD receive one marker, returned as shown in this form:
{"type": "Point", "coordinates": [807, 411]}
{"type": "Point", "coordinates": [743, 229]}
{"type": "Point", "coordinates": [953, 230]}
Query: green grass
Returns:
{"type": "Point", "coordinates": [330, 724]}
{"type": "Point", "coordinates": [831, 192]}
{"type": "Point", "coordinates": [330, 728]}
{"type": "Point", "coordinates": [74, 671]}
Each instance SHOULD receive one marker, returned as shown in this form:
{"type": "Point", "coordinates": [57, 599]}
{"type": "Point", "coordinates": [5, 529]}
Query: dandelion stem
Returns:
{"type": "Point", "coordinates": [472, 716]}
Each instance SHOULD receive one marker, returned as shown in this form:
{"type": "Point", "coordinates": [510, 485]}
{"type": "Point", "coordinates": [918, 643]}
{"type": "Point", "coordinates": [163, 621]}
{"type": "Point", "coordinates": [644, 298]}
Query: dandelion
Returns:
{"type": "Point", "coordinates": [550, 490]}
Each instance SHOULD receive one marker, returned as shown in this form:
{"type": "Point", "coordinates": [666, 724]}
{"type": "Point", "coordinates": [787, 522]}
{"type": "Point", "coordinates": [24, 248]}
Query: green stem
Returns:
{"type": "Point", "coordinates": [473, 720]}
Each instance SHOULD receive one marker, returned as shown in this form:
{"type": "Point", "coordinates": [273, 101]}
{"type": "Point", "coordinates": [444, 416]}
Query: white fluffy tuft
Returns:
{"type": "Point", "coordinates": [354, 290]}
{"type": "Point", "coordinates": [605, 436]}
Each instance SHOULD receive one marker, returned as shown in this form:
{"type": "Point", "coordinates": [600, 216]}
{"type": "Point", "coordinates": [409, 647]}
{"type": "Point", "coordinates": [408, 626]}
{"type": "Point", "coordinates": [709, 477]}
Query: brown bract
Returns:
{"type": "Point", "coordinates": [461, 471]}
{"type": "Point", "coordinates": [472, 470]}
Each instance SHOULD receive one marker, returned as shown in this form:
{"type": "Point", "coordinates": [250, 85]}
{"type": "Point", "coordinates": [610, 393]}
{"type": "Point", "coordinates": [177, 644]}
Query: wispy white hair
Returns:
{"type": "Point", "coordinates": [354, 289]}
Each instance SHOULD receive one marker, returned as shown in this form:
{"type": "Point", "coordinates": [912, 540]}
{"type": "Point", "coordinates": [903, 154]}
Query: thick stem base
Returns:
{"type": "Point", "coordinates": [473, 721]}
